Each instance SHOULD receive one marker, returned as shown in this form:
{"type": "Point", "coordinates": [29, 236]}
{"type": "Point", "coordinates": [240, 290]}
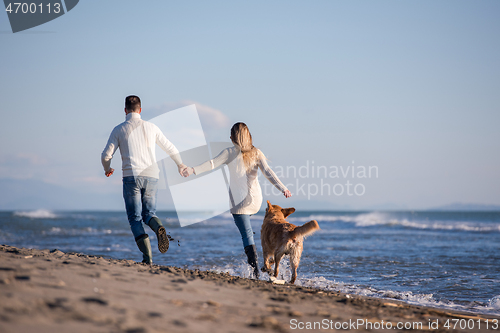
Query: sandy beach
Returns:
{"type": "Point", "coordinates": [52, 291]}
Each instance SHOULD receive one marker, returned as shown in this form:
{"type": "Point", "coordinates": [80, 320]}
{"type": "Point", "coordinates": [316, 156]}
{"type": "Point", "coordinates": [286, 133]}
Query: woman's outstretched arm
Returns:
{"type": "Point", "coordinates": [271, 176]}
{"type": "Point", "coordinates": [220, 159]}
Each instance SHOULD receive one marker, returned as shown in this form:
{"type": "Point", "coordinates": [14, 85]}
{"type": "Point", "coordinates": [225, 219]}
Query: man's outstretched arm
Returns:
{"type": "Point", "coordinates": [170, 149]}
{"type": "Point", "coordinates": [107, 154]}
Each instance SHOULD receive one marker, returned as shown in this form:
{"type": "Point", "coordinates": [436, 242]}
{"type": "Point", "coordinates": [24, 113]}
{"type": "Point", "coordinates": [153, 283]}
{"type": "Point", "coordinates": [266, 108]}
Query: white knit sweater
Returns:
{"type": "Point", "coordinates": [136, 139]}
{"type": "Point", "coordinates": [245, 191]}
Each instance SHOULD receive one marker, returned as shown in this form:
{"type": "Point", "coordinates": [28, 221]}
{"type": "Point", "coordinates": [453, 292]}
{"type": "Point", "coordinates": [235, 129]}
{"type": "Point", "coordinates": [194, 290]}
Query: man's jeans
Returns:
{"type": "Point", "coordinates": [140, 201]}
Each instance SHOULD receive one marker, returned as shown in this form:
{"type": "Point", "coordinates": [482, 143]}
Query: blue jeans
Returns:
{"type": "Point", "coordinates": [242, 221]}
{"type": "Point", "coordinates": [139, 194]}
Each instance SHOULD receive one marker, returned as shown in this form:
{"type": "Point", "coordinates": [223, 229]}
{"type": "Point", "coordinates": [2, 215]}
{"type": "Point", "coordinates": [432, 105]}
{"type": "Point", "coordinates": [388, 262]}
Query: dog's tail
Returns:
{"type": "Point", "coordinates": [305, 229]}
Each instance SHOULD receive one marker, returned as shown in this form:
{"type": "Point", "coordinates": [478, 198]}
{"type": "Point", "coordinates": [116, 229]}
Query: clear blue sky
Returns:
{"type": "Point", "coordinates": [411, 87]}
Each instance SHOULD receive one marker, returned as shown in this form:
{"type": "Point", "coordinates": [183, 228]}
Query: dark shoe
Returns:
{"type": "Point", "coordinates": [251, 252]}
{"type": "Point", "coordinates": [144, 246]}
{"type": "Point", "coordinates": [161, 234]}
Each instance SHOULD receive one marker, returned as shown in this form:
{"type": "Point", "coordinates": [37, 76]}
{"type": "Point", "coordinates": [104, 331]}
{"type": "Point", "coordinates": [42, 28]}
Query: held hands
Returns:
{"type": "Point", "coordinates": [181, 168]}
{"type": "Point", "coordinates": [287, 194]}
{"type": "Point", "coordinates": [188, 171]}
{"type": "Point", "coordinates": [109, 172]}
{"type": "Point", "coordinates": [185, 171]}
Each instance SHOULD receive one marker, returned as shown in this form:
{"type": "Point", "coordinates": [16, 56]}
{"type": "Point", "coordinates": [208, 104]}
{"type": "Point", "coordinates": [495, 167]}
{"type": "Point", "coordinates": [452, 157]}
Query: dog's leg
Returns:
{"type": "Point", "coordinates": [277, 259]}
{"type": "Point", "coordinates": [267, 267]}
{"type": "Point", "coordinates": [294, 262]}
{"type": "Point", "coordinates": [268, 264]}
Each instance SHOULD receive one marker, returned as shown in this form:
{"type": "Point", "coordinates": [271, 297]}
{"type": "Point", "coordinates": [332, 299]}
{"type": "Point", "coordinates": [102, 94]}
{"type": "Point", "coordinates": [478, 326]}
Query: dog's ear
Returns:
{"type": "Point", "coordinates": [269, 205]}
{"type": "Point", "coordinates": [287, 211]}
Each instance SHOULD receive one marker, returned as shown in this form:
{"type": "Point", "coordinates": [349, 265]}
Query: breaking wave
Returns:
{"type": "Point", "coordinates": [385, 219]}
{"type": "Point", "coordinates": [84, 231]}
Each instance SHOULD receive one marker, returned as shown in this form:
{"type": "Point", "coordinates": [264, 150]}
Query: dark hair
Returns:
{"type": "Point", "coordinates": [132, 103]}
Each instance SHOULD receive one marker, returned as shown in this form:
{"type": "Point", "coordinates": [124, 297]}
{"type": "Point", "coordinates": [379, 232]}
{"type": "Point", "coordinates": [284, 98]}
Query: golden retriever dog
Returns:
{"type": "Point", "coordinates": [279, 238]}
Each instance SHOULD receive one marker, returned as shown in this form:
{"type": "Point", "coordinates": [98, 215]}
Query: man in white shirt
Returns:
{"type": "Point", "coordinates": [136, 140]}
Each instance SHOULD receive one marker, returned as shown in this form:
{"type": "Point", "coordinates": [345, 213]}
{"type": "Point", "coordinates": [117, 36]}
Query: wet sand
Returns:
{"type": "Point", "coordinates": [52, 291]}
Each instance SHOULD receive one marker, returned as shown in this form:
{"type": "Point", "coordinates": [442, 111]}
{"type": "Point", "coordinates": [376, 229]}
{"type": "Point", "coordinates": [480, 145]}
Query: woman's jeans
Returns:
{"type": "Point", "coordinates": [140, 201]}
{"type": "Point", "coordinates": [243, 223]}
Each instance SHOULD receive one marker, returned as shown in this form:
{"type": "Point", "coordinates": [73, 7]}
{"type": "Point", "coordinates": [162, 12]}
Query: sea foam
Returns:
{"type": "Point", "coordinates": [242, 269]}
{"type": "Point", "coordinates": [386, 219]}
{"type": "Point", "coordinates": [37, 214]}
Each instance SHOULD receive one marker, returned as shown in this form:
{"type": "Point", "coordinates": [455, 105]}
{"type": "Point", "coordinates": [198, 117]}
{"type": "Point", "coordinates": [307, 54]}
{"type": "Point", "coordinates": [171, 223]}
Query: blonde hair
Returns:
{"type": "Point", "coordinates": [241, 137]}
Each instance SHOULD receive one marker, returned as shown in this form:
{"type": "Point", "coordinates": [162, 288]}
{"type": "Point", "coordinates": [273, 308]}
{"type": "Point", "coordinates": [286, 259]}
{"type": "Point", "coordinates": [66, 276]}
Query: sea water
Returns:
{"type": "Point", "coordinates": [441, 259]}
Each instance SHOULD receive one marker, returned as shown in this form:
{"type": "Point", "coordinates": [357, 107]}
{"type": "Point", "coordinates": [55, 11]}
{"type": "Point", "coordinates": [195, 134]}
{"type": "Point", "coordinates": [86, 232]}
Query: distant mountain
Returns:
{"type": "Point", "coordinates": [389, 206]}
{"type": "Point", "coordinates": [329, 206]}
{"type": "Point", "coordinates": [29, 194]}
{"type": "Point", "coordinates": [307, 204]}
{"type": "Point", "coordinates": [32, 194]}
{"type": "Point", "coordinates": [466, 207]}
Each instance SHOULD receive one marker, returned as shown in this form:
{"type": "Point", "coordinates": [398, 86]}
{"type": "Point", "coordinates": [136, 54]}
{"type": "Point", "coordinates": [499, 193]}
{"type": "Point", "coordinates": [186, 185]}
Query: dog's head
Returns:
{"type": "Point", "coordinates": [275, 210]}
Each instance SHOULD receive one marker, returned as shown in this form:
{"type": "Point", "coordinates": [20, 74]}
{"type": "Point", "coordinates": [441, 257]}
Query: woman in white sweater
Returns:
{"type": "Point", "coordinates": [243, 161]}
